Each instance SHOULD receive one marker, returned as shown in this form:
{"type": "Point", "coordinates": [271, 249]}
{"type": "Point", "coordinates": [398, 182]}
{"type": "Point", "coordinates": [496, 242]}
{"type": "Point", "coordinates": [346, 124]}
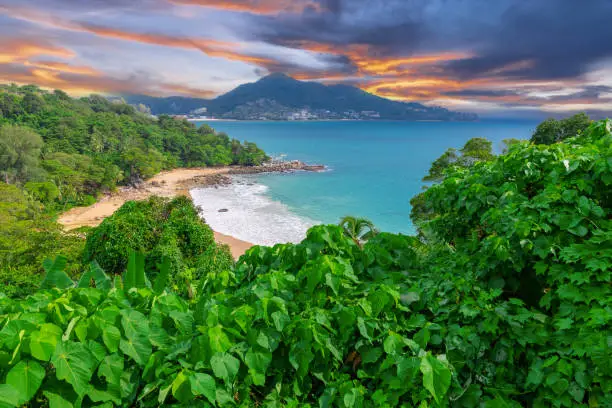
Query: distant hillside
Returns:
{"type": "Point", "coordinates": [280, 97]}
{"type": "Point", "coordinates": [173, 105]}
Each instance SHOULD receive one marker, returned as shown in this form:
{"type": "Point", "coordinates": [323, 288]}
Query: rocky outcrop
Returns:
{"type": "Point", "coordinates": [278, 167]}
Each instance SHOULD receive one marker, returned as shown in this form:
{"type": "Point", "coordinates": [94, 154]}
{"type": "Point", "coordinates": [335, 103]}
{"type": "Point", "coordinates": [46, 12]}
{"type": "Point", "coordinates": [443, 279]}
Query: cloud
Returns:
{"type": "Point", "coordinates": [63, 67]}
{"type": "Point", "coordinates": [253, 6]}
{"type": "Point", "coordinates": [212, 47]}
{"type": "Point", "coordinates": [560, 39]}
{"type": "Point", "coordinates": [19, 50]}
{"type": "Point", "coordinates": [86, 80]}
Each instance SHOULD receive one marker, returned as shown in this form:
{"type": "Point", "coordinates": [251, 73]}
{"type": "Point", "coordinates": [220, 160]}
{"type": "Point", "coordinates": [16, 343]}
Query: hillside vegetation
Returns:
{"type": "Point", "coordinates": [57, 152]}
{"type": "Point", "coordinates": [88, 145]}
{"type": "Point", "coordinates": [504, 300]}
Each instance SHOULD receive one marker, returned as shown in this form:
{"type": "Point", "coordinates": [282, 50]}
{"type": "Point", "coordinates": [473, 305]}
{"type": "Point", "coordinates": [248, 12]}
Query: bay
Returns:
{"type": "Point", "coordinates": [375, 168]}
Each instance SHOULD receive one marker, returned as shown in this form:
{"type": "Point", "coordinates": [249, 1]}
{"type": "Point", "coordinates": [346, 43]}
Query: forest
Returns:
{"type": "Point", "coordinates": [503, 299]}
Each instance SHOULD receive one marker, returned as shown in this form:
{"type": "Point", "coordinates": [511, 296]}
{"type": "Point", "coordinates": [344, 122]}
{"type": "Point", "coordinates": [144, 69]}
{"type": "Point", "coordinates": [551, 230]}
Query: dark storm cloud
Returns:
{"type": "Point", "coordinates": [561, 39]}
{"type": "Point", "coordinates": [538, 39]}
{"type": "Point", "coordinates": [340, 22]}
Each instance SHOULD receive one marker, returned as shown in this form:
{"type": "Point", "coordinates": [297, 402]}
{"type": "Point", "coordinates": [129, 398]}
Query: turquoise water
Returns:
{"type": "Point", "coordinates": [376, 167]}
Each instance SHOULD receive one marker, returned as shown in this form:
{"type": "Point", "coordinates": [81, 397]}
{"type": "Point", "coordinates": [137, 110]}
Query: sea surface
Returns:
{"type": "Point", "coordinates": [374, 170]}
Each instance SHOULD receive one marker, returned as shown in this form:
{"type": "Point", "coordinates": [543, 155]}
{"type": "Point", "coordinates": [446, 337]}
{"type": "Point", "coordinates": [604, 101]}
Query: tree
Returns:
{"type": "Point", "coordinates": [552, 131]}
{"type": "Point", "coordinates": [439, 166]}
{"type": "Point", "coordinates": [358, 229]}
{"type": "Point", "coordinates": [19, 152]}
{"type": "Point", "coordinates": [142, 163]}
{"type": "Point", "coordinates": [475, 150]}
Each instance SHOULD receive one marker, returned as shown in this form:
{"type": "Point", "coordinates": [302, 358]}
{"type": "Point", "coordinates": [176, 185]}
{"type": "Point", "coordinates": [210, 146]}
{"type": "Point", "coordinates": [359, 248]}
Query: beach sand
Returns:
{"type": "Point", "coordinates": [167, 184]}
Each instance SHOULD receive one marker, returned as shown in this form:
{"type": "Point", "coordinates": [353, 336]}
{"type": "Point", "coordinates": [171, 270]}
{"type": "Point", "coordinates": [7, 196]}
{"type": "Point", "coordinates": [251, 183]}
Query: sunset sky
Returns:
{"type": "Point", "coordinates": [485, 56]}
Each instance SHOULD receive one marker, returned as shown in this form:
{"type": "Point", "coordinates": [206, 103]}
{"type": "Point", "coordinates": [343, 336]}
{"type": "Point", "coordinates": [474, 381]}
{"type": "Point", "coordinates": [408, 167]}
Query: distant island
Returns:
{"type": "Point", "coordinates": [280, 97]}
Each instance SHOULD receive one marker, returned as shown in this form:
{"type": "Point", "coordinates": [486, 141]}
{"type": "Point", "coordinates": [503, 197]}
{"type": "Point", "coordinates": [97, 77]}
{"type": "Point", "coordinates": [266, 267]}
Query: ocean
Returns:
{"type": "Point", "coordinates": [375, 168]}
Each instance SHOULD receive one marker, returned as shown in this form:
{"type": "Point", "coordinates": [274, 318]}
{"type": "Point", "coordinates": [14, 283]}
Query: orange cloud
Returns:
{"type": "Point", "coordinates": [63, 67]}
{"type": "Point", "coordinates": [175, 89]}
{"type": "Point", "coordinates": [210, 47]}
{"type": "Point", "coordinates": [253, 6]}
{"type": "Point", "coordinates": [21, 50]}
{"type": "Point", "coordinates": [400, 65]}
{"type": "Point", "coordinates": [84, 83]}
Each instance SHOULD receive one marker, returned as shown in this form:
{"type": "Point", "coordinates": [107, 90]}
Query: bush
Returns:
{"type": "Point", "coordinates": [160, 228]}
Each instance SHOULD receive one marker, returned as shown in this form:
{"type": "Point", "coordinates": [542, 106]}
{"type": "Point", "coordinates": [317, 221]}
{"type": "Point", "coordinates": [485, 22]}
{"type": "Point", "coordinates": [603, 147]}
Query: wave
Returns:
{"type": "Point", "coordinates": [243, 210]}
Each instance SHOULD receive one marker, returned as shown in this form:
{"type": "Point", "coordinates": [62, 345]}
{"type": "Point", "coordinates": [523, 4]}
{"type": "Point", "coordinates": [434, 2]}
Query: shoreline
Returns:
{"type": "Point", "coordinates": [174, 183]}
{"type": "Point", "coordinates": [169, 184]}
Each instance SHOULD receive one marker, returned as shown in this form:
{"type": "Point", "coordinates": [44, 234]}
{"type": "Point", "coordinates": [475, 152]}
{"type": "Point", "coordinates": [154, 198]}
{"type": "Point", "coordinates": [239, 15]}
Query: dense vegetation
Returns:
{"type": "Point", "coordinates": [160, 229]}
{"type": "Point", "coordinates": [72, 149]}
{"type": "Point", "coordinates": [503, 301]}
{"type": "Point", "coordinates": [552, 131]}
{"type": "Point", "coordinates": [57, 152]}
{"type": "Point", "coordinates": [27, 237]}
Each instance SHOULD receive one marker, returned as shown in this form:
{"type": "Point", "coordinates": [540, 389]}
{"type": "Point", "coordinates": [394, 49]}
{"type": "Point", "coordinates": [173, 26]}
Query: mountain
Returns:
{"type": "Point", "coordinates": [280, 97]}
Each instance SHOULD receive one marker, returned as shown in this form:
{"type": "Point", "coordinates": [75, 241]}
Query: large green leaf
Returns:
{"type": "Point", "coordinates": [258, 362]}
{"type": "Point", "coordinates": [95, 273]}
{"type": "Point", "coordinates": [55, 276]}
{"type": "Point", "coordinates": [75, 364]}
{"type": "Point", "coordinates": [181, 388]}
{"type": "Point", "coordinates": [135, 274]}
{"type": "Point", "coordinates": [111, 336]}
{"type": "Point", "coordinates": [44, 341]}
{"type": "Point", "coordinates": [134, 323]}
{"type": "Point", "coordinates": [225, 366]}
{"type": "Point", "coordinates": [203, 384]}
{"type": "Point", "coordinates": [137, 344]}
{"type": "Point", "coordinates": [219, 341]}
{"type": "Point", "coordinates": [111, 369]}
{"type": "Point", "coordinates": [26, 377]}
{"type": "Point", "coordinates": [436, 377]}
{"type": "Point", "coordinates": [9, 396]}
{"type": "Point", "coordinates": [138, 347]}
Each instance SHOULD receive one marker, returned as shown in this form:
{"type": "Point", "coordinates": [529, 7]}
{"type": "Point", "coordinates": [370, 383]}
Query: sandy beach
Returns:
{"type": "Point", "coordinates": [166, 184]}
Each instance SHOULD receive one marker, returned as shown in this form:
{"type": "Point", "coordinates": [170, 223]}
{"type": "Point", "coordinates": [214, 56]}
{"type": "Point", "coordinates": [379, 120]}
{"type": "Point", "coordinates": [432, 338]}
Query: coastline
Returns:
{"type": "Point", "coordinates": [174, 183]}
{"type": "Point", "coordinates": [170, 184]}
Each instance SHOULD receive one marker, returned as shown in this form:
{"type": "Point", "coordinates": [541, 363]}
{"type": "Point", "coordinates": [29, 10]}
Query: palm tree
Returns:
{"type": "Point", "coordinates": [358, 229]}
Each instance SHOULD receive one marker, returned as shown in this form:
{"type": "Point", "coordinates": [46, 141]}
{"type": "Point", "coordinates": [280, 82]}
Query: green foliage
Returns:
{"type": "Point", "coordinates": [504, 301]}
{"type": "Point", "coordinates": [27, 237]}
{"type": "Point", "coordinates": [552, 131]}
{"type": "Point", "coordinates": [161, 229]}
{"type": "Point", "coordinates": [533, 228]}
{"type": "Point", "coordinates": [475, 150]}
{"type": "Point", "coordinates": [61, 152]}
{"type": "Point", "coordinates": [91, 144]}
{"type": "Point", "coordinates": [19, 151]}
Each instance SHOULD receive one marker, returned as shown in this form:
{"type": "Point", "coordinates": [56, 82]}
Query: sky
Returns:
{"type": "Point", "coordinates": [486, 56]}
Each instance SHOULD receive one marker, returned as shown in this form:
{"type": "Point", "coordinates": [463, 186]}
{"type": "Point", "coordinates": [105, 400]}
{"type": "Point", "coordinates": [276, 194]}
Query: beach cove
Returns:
{"type": "Point", "coordinates": [170, 184]}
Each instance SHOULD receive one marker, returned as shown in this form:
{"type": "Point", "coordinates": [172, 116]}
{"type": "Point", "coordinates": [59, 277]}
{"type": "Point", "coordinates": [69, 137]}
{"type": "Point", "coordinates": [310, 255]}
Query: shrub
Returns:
{"type": "Point", "coordinates": [159, 228]}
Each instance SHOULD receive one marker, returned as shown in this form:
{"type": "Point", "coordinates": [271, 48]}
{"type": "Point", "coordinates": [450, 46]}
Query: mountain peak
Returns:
{"type": "Point", "coordinates": [275, 76]}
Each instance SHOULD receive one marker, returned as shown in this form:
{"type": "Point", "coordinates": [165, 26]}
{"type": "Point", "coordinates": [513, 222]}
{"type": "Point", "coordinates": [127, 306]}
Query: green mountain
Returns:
{"type": "Point", "coordinates": [280, 97]}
